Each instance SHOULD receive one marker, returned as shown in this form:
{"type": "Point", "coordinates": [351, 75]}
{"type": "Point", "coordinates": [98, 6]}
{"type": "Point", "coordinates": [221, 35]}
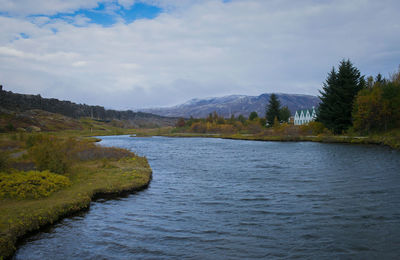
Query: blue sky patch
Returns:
{"type": "Point", "coordinates": [99, 15]}
{"type": "Point", "coordinates": [140, 11]}
{"type": "Point", "coordinates": [107, 15]}
{"type": "Point", "coordinates": [24, 35]}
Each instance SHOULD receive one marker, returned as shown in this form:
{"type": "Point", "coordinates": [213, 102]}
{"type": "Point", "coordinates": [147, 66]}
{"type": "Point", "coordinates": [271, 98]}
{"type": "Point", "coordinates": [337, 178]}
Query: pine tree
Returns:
{"type": "Point", "coordinates": [253, 115]}
{"type": "Point", "coordinates": [273, 109]}
{"type": "Point", "coordinates": [284, 114]}
{"type": "Point", "coordinates": [339, 91]}
{"type": "Point", "coordinates": [327, 110]}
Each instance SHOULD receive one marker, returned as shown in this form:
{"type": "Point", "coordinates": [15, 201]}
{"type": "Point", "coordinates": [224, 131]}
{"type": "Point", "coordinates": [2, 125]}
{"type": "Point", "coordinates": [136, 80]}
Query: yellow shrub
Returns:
{"type": "Point", "coordinates": [51, 154]}
{"type": "Point", "coordinates": [226, 129]}
{"type": "Point", "coordinates": [314, 128]}
{"type": "Point", "coordinates": [31, 184]}
{"type": "Point", "coordinates": [198, 127]}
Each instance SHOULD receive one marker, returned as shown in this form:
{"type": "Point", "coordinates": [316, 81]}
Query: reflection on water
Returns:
{"type": "Point", "coordinates": [214, 198]}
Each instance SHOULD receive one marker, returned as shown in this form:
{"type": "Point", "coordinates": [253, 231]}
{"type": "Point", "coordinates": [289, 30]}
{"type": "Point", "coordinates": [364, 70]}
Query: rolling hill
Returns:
{"type": "Point", "coordinates": [22, 110]}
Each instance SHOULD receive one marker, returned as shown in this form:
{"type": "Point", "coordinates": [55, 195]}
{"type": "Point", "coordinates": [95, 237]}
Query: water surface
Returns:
{"type": "Point", "coordinates": [231, 199]}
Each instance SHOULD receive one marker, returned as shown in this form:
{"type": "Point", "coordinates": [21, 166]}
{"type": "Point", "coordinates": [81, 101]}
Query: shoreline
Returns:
{"type": "Point", "coordinates": [133, 175]}
{"type": "Point", "coordinates": [95, 197]}
{"type": "Point", "coordinates": [391, 142]}
{"type": "Point", "coordinates": [324, 139]}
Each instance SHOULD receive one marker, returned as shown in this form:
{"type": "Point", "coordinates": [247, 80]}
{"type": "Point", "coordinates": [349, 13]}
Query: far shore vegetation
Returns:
{"type": "Point", "coordinates": [353, 110]}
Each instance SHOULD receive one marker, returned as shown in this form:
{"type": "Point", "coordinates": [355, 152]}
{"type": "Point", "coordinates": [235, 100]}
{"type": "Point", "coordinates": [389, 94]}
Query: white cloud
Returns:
{"type": "Point", "coordinates": [52, 7]}
{"type": "Point", "coordinates": [195, 49]}
{"type": "Point", "coordinates": [126, 3]}
{"type": "Point", "coordinates": [44, 7]}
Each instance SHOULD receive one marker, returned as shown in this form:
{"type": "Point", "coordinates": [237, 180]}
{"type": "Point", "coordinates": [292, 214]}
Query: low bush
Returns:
{"type": "Point", "coordinates": [198, 127]}
{"type": "Point", "coordinates": [313, 128]}
{"type": "Point", "coordinates": [51, 154]}
{"type": "Point", "coordinates": [254, 127]}
{"type": "Point", "coordinates": [31, 184]}
{"type": "Point", "coordinates": [31, 140]}
{"type": "Point", "coordinates": [10, 127]}
{"type": "Point", "coordinates": [3, 161]}
{"type": "Point", "coordinates": [57, 155]}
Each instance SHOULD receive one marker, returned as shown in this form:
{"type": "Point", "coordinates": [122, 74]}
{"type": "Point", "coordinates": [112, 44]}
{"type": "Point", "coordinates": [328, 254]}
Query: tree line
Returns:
{"type": "Point", "coordinates": [214, 123]}
{"type": "Point", "coordinates": [377, 106]}
{"type": "Point", "coordinates": [348, 101]}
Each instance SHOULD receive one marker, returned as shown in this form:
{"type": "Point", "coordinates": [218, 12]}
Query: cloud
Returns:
{"type": "Point", "coordinates": [44, 7]}
{"type": "Point", "coordinates": [192, 49]}
{"type": "Point", "coordinates": [126, 3]}
{"type": "Point", "coordinates": [53, 7]}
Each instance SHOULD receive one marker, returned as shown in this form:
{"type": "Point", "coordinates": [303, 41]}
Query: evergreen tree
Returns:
{"type": "Point", "coordinates": [379, 79]}
{"type": "Point", "coordinates": [241, 119]}
{"type": "Point", "coordinates": [210, 118]}
{"type": "Point", "coordinates": [339, 91]}
{"type": "Point", "coordinates": [284, 114]}
{"type": "Point", "coordinates": [262, 121]}
{"type": "Point", "coordinates": [327, 110]}
{"type": "Point", "coordinates": [253, 115]}
{"type": "Point", "coordinates": [272, 110]}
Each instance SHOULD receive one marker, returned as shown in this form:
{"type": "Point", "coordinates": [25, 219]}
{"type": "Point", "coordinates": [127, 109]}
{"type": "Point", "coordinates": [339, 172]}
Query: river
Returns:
{"type": "Point", "coordinates": [232, 199]}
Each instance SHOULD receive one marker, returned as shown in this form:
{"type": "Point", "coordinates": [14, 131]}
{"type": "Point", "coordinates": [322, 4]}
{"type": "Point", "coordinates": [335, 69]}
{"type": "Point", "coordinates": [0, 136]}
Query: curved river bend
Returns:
{"type": "Point", "coordinates": [230, 199]}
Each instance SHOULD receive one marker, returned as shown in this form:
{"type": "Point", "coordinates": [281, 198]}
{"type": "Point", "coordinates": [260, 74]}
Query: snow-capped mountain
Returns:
{"type": "Point", "coordinates": [234, 105]}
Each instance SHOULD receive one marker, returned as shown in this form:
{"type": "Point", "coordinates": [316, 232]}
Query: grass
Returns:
{"type": "Point", "coordinates": [41, 121]}
{"type": "Point", "coordinates": [93, 171]}
{"type": "Point", "coordinates": [30, 184]}
{"type": "Point", "coordinates": [289, 134]}
{"type": "Point", "coordinates": [386, 140]}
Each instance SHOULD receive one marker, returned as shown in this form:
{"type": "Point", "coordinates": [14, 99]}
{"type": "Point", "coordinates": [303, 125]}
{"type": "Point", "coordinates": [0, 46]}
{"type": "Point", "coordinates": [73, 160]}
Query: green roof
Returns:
{"type": "Point", "coordinates": [304, 111]}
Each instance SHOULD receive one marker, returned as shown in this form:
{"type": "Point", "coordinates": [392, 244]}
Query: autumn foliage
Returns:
{"type": "Point", "coordinates": [218, 124]}
{"type": "Point", "coordinates": [377, 108]}
{"type": "Point", "coordinates": [57, 155]}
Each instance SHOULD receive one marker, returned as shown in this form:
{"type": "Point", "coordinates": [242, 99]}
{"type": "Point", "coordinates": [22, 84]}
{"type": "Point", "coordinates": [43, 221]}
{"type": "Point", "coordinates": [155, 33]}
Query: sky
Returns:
{"type": "Point", "coordinates": [131, 54]}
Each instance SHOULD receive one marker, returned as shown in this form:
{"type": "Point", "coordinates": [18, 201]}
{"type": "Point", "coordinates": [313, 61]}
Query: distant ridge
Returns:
{"type": "Point", "coordinates": [234, 105]}
{"type": "Point", "coordinates": [10, 101]}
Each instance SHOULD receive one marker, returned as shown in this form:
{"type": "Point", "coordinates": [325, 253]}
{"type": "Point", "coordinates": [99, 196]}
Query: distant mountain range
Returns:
{"type": "Point", "coordinates": [234, 105]}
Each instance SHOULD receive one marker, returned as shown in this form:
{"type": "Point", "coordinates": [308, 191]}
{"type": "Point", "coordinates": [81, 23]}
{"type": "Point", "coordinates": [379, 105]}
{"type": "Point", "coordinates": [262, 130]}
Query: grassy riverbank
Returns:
{"type": "Point", "coordinates": [88, 171]}
{"type": "Point", "coordinates": [391, 141]}
{"type": "Point", "coordinates": [288, 134]}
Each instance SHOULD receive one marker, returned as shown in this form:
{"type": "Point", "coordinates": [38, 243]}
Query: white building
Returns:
{"type": "Point", "coordinates": [304, 116]}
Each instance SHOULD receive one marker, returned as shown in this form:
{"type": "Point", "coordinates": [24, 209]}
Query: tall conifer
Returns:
{"type": "Point", "coordinates": [272, 110]}
{"type": "Point", "coordinates": [337, 96]}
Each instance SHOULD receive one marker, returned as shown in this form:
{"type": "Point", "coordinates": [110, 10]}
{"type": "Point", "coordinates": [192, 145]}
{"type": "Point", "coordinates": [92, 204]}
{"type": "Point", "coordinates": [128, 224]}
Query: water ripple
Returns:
{"type": "Point", "coordinates": [226, 199]}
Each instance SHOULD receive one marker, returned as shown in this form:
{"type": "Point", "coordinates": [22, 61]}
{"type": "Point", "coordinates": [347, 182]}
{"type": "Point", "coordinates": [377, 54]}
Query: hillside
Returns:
{"type": "Point", "coordinates": [21, 109]}
{"type": "Point", "coordinates": [234, 105]}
